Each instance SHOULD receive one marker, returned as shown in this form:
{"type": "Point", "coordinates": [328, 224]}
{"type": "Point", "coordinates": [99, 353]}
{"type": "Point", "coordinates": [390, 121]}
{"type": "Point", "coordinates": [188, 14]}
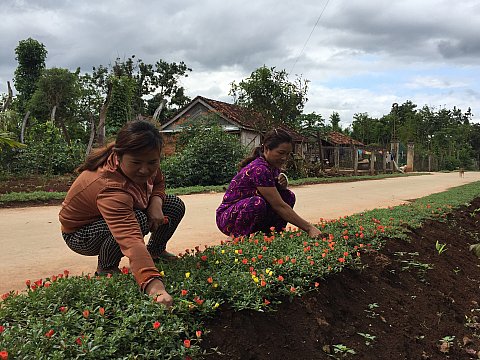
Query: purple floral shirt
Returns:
{"type": "Point", "coordinates": [244, 185]}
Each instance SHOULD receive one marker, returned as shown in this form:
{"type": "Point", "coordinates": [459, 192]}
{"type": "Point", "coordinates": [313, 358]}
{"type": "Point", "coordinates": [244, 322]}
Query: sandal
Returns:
{"type": "Point", "coordinates": [165, 255]}
{"type": "Point", "coordinates": [105, 272]}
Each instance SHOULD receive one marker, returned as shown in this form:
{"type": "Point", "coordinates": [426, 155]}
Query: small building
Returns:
{"type": "Point", "coordinates": [232, 118]}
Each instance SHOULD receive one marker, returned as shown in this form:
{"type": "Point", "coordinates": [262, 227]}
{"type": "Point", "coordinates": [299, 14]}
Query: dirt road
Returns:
{"type": "Point", "coordinates": [31, 245]}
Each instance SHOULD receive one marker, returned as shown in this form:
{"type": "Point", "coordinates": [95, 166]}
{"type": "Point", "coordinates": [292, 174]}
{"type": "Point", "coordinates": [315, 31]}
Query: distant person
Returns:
{"type": "Point", "coordinates": [257, 198]}
{"type": "Point", "coordinates": [118, 198]}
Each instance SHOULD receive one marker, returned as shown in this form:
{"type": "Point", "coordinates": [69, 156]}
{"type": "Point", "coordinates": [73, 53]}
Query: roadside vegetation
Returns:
{"type": "Point", "coordinates": [92, 317]}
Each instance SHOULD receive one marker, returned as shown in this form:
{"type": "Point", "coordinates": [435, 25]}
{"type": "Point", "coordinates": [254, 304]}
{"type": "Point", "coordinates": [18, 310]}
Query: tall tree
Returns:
{"type": "Point", "coordinates": [335, 121]}
{"type": "Point", "coordinates": [31, 56]}
{"type": "Point", "coordinates": [270, 93]}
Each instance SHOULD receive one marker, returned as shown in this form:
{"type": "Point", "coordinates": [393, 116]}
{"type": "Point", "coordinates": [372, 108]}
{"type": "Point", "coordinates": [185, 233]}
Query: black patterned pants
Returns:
{"type": "Point", "coordinates": [95, 239]}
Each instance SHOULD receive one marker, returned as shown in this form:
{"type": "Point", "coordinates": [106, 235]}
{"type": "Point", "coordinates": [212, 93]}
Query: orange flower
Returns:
{"type": "Point", "coordinates": [292, 289]}
{"type": "Point", "coordinates": [184, 292]}
{"type": "Point", "coordinates": [101, 311]}
{"type": "Point", "coordinates": [342, 260]}
{"type": "Point", "coordinates": [86, 313]}
{"type": "Point", "coordinates": [280, 278]}
{"type": "Point", "coordinates": [49, 333]}
{"type": "Point", "coordinates": [210, 280]}
{"type": "Point", "coordinates": [198, 333]}
{"type": "Point", "coordinates": [263, 283]}
{"type": "Point", "coordinates": [186, 343]}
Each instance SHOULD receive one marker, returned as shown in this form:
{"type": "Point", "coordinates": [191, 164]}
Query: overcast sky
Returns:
{"type": "Point", "coordinates": [361, 56]}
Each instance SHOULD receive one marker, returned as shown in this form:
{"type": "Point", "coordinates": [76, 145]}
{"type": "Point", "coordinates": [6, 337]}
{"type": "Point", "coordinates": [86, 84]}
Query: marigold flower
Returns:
{"type": "Point", "coordinates": [156, 325]}
{"type": "Point", "coordinates": [186, 343]}
{"type": "Point", "coordinates": [3, 355]}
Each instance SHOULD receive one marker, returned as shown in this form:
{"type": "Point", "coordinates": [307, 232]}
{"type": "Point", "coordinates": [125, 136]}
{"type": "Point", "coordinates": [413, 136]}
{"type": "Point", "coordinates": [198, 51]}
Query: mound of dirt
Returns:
{"type": "Point", "coordinates": [408, 301]}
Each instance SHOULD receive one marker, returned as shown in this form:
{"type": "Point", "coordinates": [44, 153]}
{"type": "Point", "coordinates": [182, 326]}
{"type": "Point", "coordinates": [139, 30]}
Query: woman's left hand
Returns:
{"type": "Point", "coordinates": [282, 180]}
{"type": "Point", "coordinates": [155, 214]}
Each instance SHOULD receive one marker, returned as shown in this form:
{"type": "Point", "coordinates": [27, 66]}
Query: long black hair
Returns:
{"type": "Point", "coordinates": [271, 140]}
{"type": "Point", "coordinates": [135, 136]}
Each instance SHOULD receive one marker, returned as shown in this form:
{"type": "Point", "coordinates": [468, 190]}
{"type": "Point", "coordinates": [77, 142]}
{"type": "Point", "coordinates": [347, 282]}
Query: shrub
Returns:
{"type": "Point", "coordinates": [209, 157]}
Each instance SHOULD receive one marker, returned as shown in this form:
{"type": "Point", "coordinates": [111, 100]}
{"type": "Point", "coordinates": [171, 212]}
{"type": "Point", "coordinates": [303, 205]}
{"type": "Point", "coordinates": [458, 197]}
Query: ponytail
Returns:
{"type": "Point", "coordinates": [98, 157]}
{"type": "Point", "coordinates": [256, 152]}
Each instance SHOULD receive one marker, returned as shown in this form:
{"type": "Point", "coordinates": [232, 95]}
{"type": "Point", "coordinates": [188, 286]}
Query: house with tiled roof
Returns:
{"type": "Point", "coordinates": [232, 118]}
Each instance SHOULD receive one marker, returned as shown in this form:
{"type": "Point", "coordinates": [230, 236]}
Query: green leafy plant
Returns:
{"type": "Point", "coordinates": [440, 247]}
{"type": "Point", "coordinates": [369, 339]}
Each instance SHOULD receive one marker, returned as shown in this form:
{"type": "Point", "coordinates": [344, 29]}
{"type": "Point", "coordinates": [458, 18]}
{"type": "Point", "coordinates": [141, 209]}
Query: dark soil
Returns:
{"type": "Point", "coordinates": [408, 310]}
{"type": "Point", "coordinates": [35, 183]}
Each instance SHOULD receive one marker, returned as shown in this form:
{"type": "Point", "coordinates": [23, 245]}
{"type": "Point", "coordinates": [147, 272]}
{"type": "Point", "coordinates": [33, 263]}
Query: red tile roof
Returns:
{"type": "Point", "coordinates": [342, 139]}
{"type": "Point", "coordinates": [244, 117]}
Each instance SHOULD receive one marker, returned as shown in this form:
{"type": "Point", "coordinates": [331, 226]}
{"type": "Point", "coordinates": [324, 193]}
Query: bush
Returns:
{"type": "Point", "coordinates": [46, 153]}
{"type": "Point", "coordinates": [209, 157]}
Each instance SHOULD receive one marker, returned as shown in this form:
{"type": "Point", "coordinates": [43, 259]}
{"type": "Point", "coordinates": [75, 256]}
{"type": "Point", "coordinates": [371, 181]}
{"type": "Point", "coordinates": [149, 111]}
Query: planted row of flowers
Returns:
{"type": "Point", "coordinates": [104, 318]}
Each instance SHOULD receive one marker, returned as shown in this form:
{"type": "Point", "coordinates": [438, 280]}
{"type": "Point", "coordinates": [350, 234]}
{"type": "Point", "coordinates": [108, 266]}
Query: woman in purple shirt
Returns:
{"type": "Point", "coordinates": [257, 198]}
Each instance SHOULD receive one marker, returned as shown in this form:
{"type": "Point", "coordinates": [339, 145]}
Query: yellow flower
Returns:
{"type": "Point", "coordinates": [236, 251]}
{"type": "Point", "coordinates": [162, 273]}
{"type": "Point", "coordinates": [216, 305]}
{"type": "Point", "coordinates": [223, 251]}
{"type": "Point", "coordinates": [236, 260]}
{"type": "Point", "coordinates": [217, 262]}
{"type": "Point", "coordinates": [215, 285]}
{"type": "Point", "coordinates": [255, 279]}
{"type": "Point", "coordinates": [187, 275]}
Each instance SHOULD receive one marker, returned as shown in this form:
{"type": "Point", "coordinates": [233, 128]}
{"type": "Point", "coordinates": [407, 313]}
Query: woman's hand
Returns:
{"type": "Point", "coordinates": [156, 289]}
{"type": "Point", "coordinates": [282, 180]}
{"type": "Point", "coordinates": [155, 213]}
{"type": "Point", "coordinates": [313, 232]}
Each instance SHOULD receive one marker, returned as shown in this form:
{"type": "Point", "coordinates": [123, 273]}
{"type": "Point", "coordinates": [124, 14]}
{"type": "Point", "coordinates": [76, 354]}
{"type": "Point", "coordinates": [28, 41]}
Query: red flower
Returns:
{"type": "Point", "coordinates": [342, 260]}
{"type": "Point", "coordinates": [49, 333]}
{"type": "Point", "coordinates": [63, 309]}
{"type": "Point", "coordinates": [184, 292]}
{"type": "Point", "coordinates": [186, 343]}
{"type": "Point", "coordinates": [266, 302]}
{"type": "Point", "coordinates": [3, 355]}
{"type": "Point", "coordinates": [204, 258]}
{"type": "Point", "coordinates": [293, 261]}
{"type": "Point", "coordinates": [317, 284]}
{"type": "Point", "coordinates": [156, 325]}
{"type": "Point", "coordinates": [210, 280]}
{"type": "Point", "coordinates": [280, 278]}
{"type": "Point", "coordinates": [101, 311]}
{"type": "Point", "coordinates": [28, 282]}
{"type": "Point", "coordinates": [39, 282]}
{"type": "Point", "coordinates": [245, 261]}
{"type": "Point", "coordinates": [292, 289]}
{"type": "Point", "coordinates": [5, 296]}
{"type": "Point", "coordinates": [198, 333]}
{"type": "Point", "coordinates": [2, 328]}
{"type": "Point", "coordinates": [198, 300]}
{"type": "Point", "coordinates": [86, 313]}
{"type": "Point", "coordinates": [78, 340]}
{"type": "Point", "coordinates": [124, 270]}
{"type": "Point", "coordinates": [66, 272]}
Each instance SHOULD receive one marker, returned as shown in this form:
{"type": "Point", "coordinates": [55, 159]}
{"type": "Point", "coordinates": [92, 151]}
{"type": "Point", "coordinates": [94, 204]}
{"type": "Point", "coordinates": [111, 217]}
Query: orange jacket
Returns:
{"type": "Point", "coordinates": [107, 193]}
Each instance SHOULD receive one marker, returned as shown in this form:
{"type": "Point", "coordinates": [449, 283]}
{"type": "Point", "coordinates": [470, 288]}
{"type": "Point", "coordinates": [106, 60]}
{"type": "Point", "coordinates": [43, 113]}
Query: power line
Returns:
{"type": "Point", "coordinates": [309, 36]}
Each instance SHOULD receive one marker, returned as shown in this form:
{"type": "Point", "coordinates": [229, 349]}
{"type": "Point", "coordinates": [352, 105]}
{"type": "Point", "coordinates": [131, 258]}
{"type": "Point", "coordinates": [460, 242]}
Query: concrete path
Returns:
{"type": "Point", "coordinates": [31, 245]}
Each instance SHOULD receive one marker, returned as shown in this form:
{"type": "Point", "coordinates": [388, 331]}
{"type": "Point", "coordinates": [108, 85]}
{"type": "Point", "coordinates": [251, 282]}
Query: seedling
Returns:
{"type": "Point", "coordinates": [440, 247]}
{"type": "Point", "coordinates": [368, 338]}
{"type": "Point", "coordinates": [370, 311]}
{"type": "Point", "coordinates": [343, 350]}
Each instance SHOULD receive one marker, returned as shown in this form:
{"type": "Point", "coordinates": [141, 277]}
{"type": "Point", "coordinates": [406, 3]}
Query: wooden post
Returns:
{"type": "Point", "coordinates": [384, 162]}
{"type": "Point", "coordinates": [355, 160]}
{"type": "Point", "coordinates": [372, 163]}
{"type": "Point", "coordinates": [337, 157]}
